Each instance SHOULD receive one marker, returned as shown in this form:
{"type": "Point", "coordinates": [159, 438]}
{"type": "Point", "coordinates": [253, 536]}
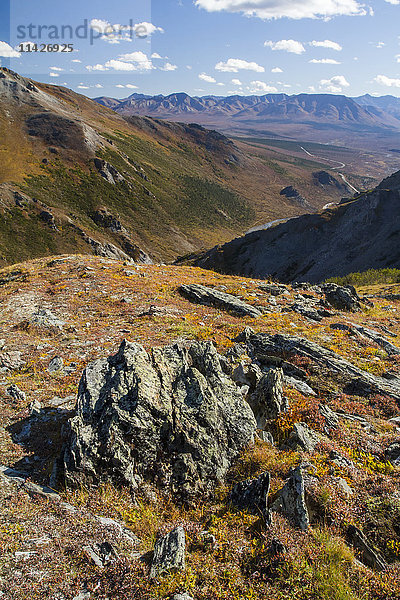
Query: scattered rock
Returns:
{"type": "Point", "coordinates": [45, 319]}
{"type": "Point", "coordinates": [211, 297]}
{"type": "Point", "coordinates": [291, 500]}
{"type": "Point", "coordinates": [101, 554]}
{"type": "Point", "coordinates": [107, 171]}
{"type": "Point", "coordinates": [300, 386]}
{"type": "Point", "coordinates": [302, 438]}
{"type": "Point", "coordinates": [169, 553]}
{"type": "Point", "coordinates": [392, 453]}
{"type": "Point", "coordinates": [342, 298]}
{"type": "Point", "coordinates": [376, 337]}
{"type": "Point", "coordinates": [275, 289]}
{"type": "Point", "coordinates": [11, 361]}
{"type": "Point", "coordinates": [47, 217]}
{"type": "Point", "coordinates": [172, 417]}
{"type": "Point", "coordinates": [368, 555]}
{"type": "Point", "coordinates": [183, 596]}
{"type": "Point", "coordinates": [56, 364]}
{"type": "Point", "coordinates": [16, 275]}
{"type": "Point", "coordinates": [103, 218]}
{"type": "Point", "coordinates": [331, 418]}
{"type": "Point", "coordinates": [252, 495]}
{"type": "Point", "coordinates": [16, 393]}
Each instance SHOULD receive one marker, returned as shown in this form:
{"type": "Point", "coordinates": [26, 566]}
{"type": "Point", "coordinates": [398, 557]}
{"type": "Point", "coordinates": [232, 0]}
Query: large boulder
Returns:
{"type": "Point", "coordinates": [342, 298]}
{"type": "Point", "coordinates": [170, 416]}
{"type": "Point", "coordinates": [169, 553]}
{"type": "Point", "coordinates": [201, 294]}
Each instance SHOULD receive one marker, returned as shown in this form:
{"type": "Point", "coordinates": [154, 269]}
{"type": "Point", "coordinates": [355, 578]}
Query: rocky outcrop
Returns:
{"type": "Point", "coordinates": [302, 438]}
{"type": "Point", "coordinates": [325, 179]}
{"type": "Point", "coordinates": [268, 402]}
{"type": "Point", "coordinates": [295, 197]}
{"type": "Point", "coordinates": [325, 362]}
{"type": "Point", "coordinates": [169, 553]}
{"type": "Point", "coordinates": [108, 172]}
{"type": "Point", "coordinates": [368, 555]}
{"type": "Point", "coordinates": [211, 297]}
{"type": "Point", "coordinates": [171, 416]}
{"type": "Point", "coordinates": [342, 298]}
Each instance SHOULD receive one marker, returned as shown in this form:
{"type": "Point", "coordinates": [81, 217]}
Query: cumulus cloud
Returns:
{"type": "Point", "coordinates": [54, 74]}
{"type": "Point", "coordinates": [83, 87]}
{"type": "Point", "coordinates": [387, 81]}
{"type": "Point", "coordinates": [208, 78]}
{"type": "Point", "coordinates": [156, 55]}
{"type": "Point", "coordinates": [276, 70]}
{"type": "Point", "coordinates": [334, 84]}
{"type": "Point", "coordinates": [324, 61]}
{"type": "Point", "coordinates": [260, 87]}
{"type": "Point", "coordinates": [133, 61]}
{"type": "Point", "coordinates": [168, 67]}
{"type": "Point", "coordinates": [236, 82]}
{"type": "Point", "coordinates": [287, 46]}
{"type": "Point", "coordinates": [234, 65]}
{"type": "Point", "coordinates": [326, 44]}
{"type": "Point", "coordinates": [115, 33]}
{"type": "Point", "coordinates": [76, 60]}
{"type": "Point", "coordinates": [56, 69]}
{"type": "Point", "coordinates": [6, 51]}
{"type": "Point", "coordinates": [130, 86]}
{"type": "Point", "coordinates": [293, 9]}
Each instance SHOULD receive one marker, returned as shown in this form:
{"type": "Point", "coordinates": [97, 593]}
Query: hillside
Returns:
{"type": "Point", "coordinates": [357, 235]}
{"type": "Point", "coordinates": [313, 117]}
{"type": "Point", "coordinates": [309, 509]}
{"type": "Point", "coordinates": [75, 176]}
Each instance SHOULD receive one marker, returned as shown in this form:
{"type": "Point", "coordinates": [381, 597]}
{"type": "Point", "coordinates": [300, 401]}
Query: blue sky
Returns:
{"type": "Point", "coordinates": [205, 47]}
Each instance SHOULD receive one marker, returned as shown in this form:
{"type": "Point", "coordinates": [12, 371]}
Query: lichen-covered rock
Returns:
{"type": "Point", "coordinates": [302, 438]}
{"type": "Point", "coordinates": [291, 500]}
{"type": "Point", "coordinates": [252, 495]}
{"type": "Point", "coordinates": [172, 417]}
{"type": "Point", "coordinates": [267, 402]}
{"type": "Point", "coordinates": [169, 553]}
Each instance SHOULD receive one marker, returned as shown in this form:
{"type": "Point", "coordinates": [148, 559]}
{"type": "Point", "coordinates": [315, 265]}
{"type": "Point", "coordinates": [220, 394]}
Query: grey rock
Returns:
{"type": "Point", "coordinates": [252, 495]}
{"type": "Point", "coordinates": [56, 364]}
{"type": "Point", "coordinates": [392, 453]}
{"type": "Point", "coordinates": [15, 393]}
{"type": "Point", "coordinates": [108, 172]}
{"type": "Point", "coordinates": [274, 289]}
{"type": "Point", "coordinates": [368, 555]}
{"type": "Point", "coordinates": [82, 596]}
{"type": "Point", "coordinates": [172, 417]}
{"type": "Point", "coordinates": [44, 318]}
{"type": "Point", "coordinates": [331, 418]}
{"type": "Point", "coordinates": [370, 334]}
{"type": "Point", "coordinates": [11, 360]}
{"type": "Point", "coordinates": [302, 438]}
{"type": "Point", "coordinates": [183, 596]}
{"type": "Point", "coordinates": [101, 554]}
{"type": "Point", "coordinates": [267, 402]}
{"type": "Point", "coordinates": [300, 386]}
{"type": "Point", "coordinates": [291, 500]}
{"type": "Point", "coordinates": [342, 298]}
{"type": "Point", "coordinates": [212, 297]}
{"type": "Point", "coordinates": [325, 361]}
{"type": "Point", "coordinates": [344, 487]}
{"type": "Point", "coordinates": [169, 553]}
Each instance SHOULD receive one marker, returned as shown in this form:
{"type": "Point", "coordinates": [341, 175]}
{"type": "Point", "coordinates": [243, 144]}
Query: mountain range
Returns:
{"type": "Point", "coordinates": [321, 117]}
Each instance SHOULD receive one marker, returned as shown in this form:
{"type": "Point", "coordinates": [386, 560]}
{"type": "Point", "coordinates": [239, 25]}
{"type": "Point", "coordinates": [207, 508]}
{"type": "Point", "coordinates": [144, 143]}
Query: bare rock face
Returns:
{"type": "Point", "coordinates": [169, 553]}
{"type": "Point", "coordinates": [267, 402]}
{"type": "Point", "coordinates": [172, 417]}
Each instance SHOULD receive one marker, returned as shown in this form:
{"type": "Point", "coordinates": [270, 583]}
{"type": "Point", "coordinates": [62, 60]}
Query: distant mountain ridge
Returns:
{"type": "Point", "coordinates": [367, 111]}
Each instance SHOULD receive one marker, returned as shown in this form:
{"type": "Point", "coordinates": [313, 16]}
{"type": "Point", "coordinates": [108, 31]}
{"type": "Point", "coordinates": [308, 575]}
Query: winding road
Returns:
{"type": "Point", "coordinates": [341, 166]}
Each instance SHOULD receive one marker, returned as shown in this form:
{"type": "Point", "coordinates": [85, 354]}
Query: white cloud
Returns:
{"type": "Point", "coordinates": [334, 84]}
{"type": "Point", "coordinates": [380, 45]}
{"type": "Point", "coordinates": [76, 60]}
{"type": "Point", "coordinates": [287, 46]}
{"type": "Point", "coordinates": [97, 67]}
{"type": "Point", "coordinates": [393, 1]}
{"type": "Point", "coordinates": [168, 67]}
{"type": "Point", "coordinates": [155, 55]}
{"type": "Point", "coordinates": [54, 74]}
{"type": "Point", "coordinates": [123, 33]}
{"type": "Point", "coordinates": [326, 44]}
{"type": "Point", "coordinates": [208, 78]}
{"type": "Point", "coordinates": [56, 69]}
{"type": "Point", "coordinates": [134, 61]}
{"type": "Point", "coordinates": [257, 87]}
{"type": "Point", "coordinates": [387, 81]}
{"type": "Point", "coordinates": [119, 85]}
{"type": "Point", "coordinates": [324, 61]}
{"type": "Point", "coordinates": [120, 65]}
{"type": "Point", "coordinates": [397, 57]}
{"type": "Point", "coordinates": [130, 86]}
{"type": "Point", "coordinates": [236, 82]}
{"type": "Point", "coordinates": [234, 65]}
{"type": "Point", "coordinates": [221, 84]}
{"type": "Point", "coordinates": [276, 70]}
{"type": "Point", "coordinates": [6, 51]}
{"type": "Point", "coordinates": [98, 85]}
{"type": "Point", "coordinates": [294, 9]}
{"type": "Point", "coordinates": [82, 87]}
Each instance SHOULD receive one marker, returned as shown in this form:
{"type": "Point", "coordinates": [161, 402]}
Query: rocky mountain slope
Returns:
{"type": "Point", "coordinates": [75, 176]}
{"type": "Point", "coordinates": [357, 235]}
{"type": "Point", "coordinates": [321, 117]}
{"type": "Point", "coordinates": [220, 437]}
